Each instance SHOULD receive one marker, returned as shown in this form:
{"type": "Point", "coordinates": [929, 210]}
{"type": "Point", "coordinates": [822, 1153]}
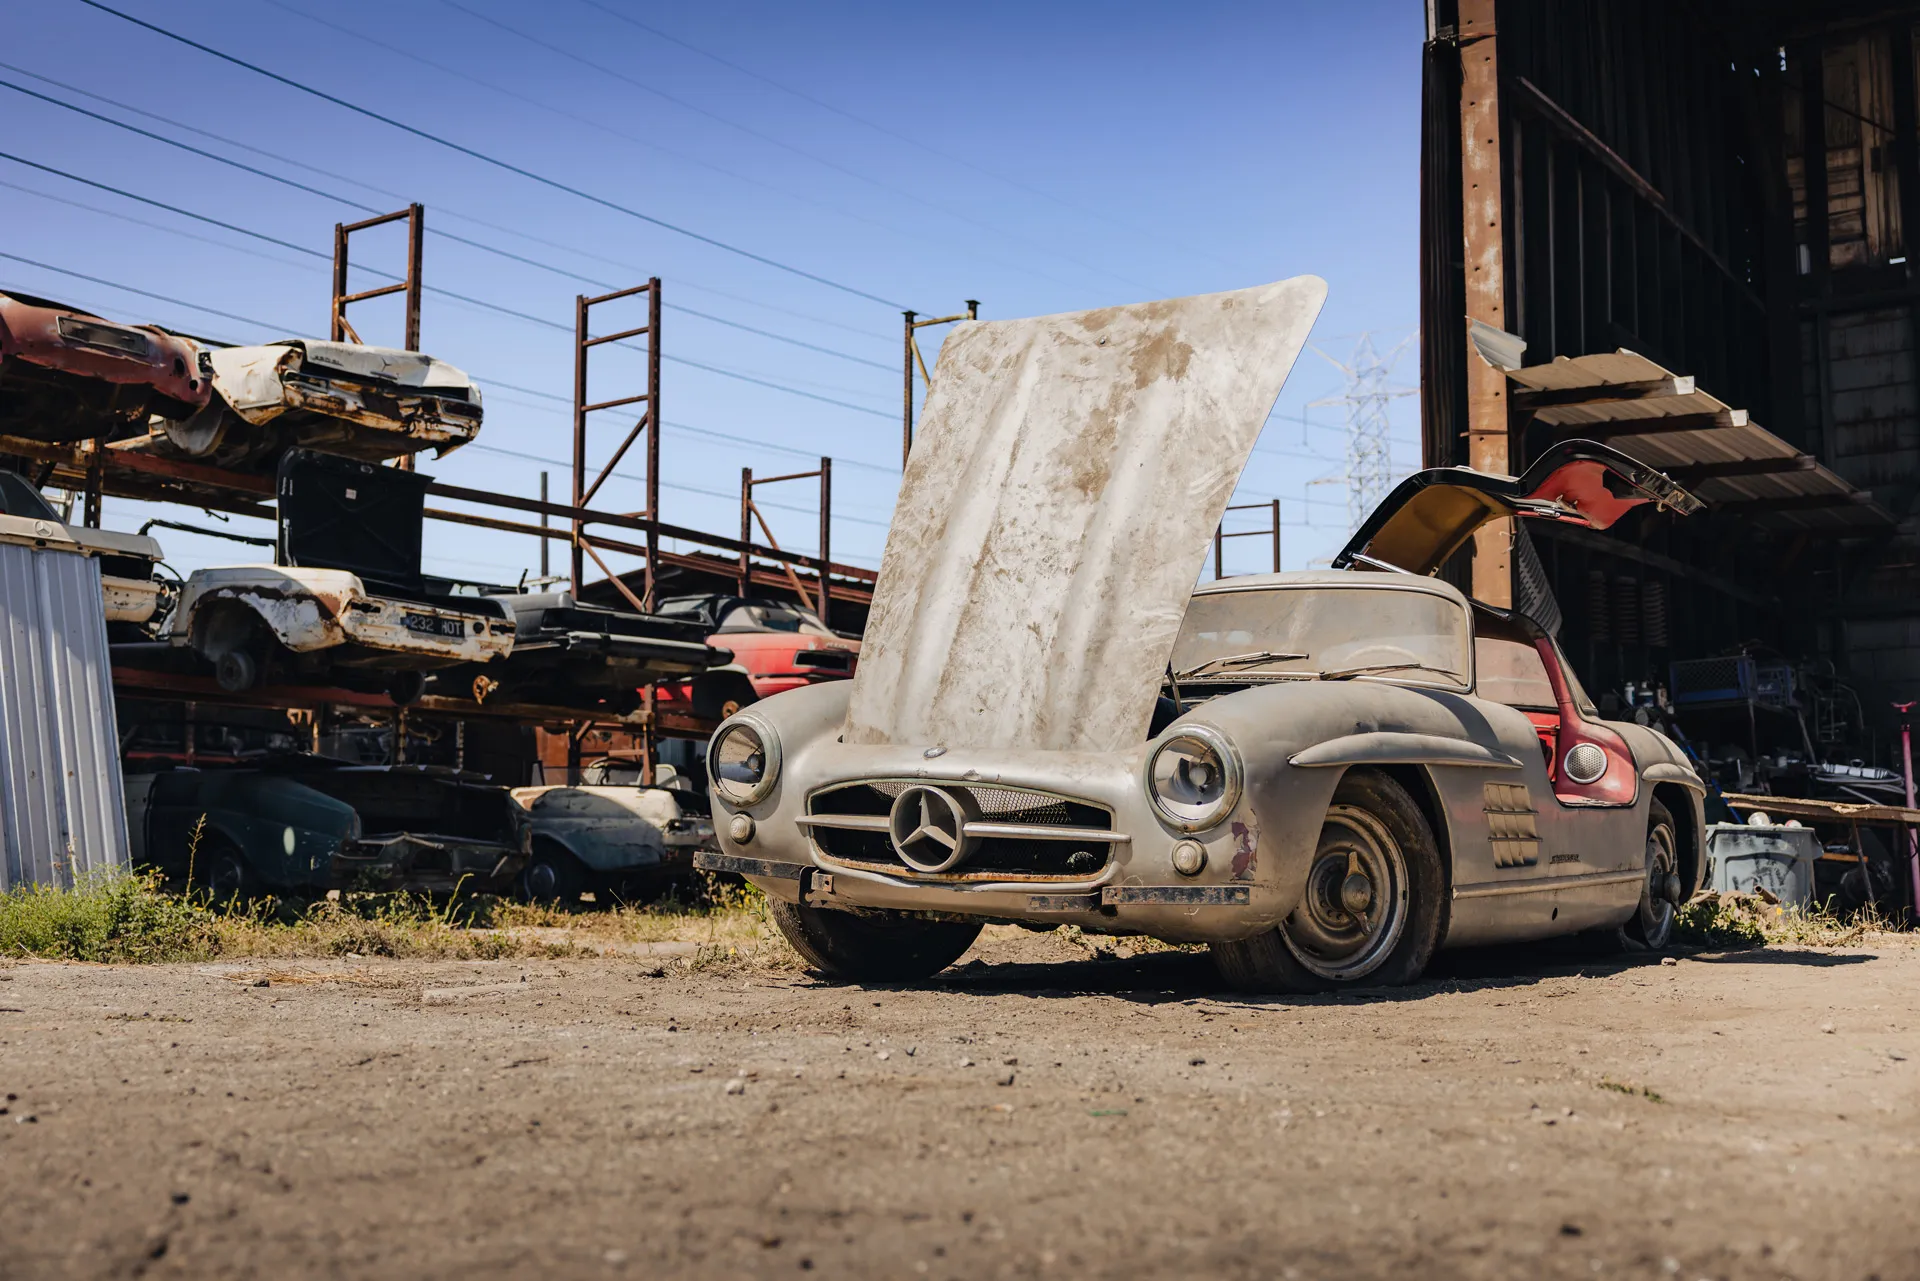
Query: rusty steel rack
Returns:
{"type": "Point", "coordinates": [1220, 535]}
{"type": "Point", "coordinates": [912, 359]}
{"type": "Point", "coordinates": [821, 601]}
{"type": "Point", "coordinates": [415, 216]}
{"type": "Point", "coordinates": [648, 422]}
{"type": "Point", "coordinates": [98, 468]}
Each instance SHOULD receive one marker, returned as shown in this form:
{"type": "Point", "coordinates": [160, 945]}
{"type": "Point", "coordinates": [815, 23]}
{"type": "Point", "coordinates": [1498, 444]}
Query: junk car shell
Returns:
{"type": "Point", "coordinates": [776, 659]}
{"type": "Point", "coordinates": [81, 346]}
{"type": "Point", "coordinates": [1078, 440]}
{"type": "Point", "coordinates": [26, 516]}
{"type": "Point", "coordinates": [294, 834]}
{"type": "Point", "coordinates": [356, 401]}
{"type": "Point", "coordinates": [612, 828]}
{"type": "Point", "coordinates": [309, 609]}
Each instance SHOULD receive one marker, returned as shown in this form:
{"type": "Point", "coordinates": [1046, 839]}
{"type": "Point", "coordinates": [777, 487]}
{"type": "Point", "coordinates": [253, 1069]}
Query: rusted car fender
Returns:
{"type": "Point", "coordinates": [301, 607]}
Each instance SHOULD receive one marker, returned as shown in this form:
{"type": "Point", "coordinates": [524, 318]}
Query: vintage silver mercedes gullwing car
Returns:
{"type": "Point", "coordinates": [1325, 776]}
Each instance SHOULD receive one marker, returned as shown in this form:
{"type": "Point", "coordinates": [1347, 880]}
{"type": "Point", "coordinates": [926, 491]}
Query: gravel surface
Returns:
{"type": "Point", "coordinates": [1033, 1113]}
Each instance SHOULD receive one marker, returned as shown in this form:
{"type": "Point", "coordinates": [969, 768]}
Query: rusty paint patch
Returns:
{"type": "Point", "coordinates": [1246, 850]}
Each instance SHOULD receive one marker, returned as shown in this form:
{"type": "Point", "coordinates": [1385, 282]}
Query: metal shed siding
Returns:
{"type": "Point", "coordinates": [62, 811]}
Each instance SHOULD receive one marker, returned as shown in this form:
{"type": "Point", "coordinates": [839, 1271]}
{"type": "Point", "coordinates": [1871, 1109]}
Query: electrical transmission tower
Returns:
{"type": "Point", "coordinates": [1369, 465]}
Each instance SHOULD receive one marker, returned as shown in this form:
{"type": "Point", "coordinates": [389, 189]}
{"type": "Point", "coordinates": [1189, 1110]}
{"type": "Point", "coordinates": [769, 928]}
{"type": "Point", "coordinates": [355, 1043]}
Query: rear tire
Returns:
{"type": "Point", "coordinates": [872, 948]}
{"type": "Point", "coordinates": [405, 688]}
{"type": "Point", "coordinates": [1650, 928]}
{"type": "Point", "coordinates": [1371, 911]}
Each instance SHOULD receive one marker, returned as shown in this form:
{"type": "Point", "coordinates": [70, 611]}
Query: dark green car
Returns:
{"type": "Point", "coordinates": [307, 823]}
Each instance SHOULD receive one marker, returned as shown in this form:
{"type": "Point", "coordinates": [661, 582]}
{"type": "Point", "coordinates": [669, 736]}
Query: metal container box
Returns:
{"type": "Point", "coordinates": [62, 814]}
{"type": "Point", "coordinates": [1778, 859]}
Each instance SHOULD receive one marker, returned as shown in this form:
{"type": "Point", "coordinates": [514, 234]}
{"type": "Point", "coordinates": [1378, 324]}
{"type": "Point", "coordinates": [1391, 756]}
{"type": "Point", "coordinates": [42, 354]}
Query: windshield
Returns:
{"type": "Point", "coordinates": [773, 618]}
{"type": "Point", "coordinates": [1324, 631]}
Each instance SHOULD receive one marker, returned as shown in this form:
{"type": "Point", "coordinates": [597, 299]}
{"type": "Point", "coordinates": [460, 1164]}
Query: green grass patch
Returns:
{"type": "Point", "coordinates": [135, 918]}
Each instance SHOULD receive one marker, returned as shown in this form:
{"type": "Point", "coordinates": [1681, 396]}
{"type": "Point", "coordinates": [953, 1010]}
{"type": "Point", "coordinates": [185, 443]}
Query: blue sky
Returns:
{"type": "Point", "coordinates": [1040, 158]}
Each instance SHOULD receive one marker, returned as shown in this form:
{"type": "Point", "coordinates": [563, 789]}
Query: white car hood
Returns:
{"type": "Point", "coordinates": [1060, 499]}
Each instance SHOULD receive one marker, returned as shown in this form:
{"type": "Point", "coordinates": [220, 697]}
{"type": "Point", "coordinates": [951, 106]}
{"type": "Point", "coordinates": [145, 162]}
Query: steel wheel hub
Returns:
{"type": "Point", "coordinates": [1355, 904]}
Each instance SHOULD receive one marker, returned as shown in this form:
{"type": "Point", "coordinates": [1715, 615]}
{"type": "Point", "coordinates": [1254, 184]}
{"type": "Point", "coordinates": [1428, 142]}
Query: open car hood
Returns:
{"type": "Point", "coordinates": [1431, 514]}
{"type": "Point", "coordinates": [1062, 494]}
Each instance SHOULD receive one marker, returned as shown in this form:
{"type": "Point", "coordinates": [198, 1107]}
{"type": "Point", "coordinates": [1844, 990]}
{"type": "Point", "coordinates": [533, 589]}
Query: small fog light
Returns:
{"type": "Point", "coordinates": [740, 829]}
{"type": "Point", "coordinates": [1189, 857]}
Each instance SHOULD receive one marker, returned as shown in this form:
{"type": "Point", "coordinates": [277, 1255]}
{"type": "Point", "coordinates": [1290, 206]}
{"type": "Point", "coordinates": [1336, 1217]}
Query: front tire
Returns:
{"type": "Point", "coordinates": [872, 948]}
{"type": "Point", "coordinates": [1371, 910]}
{"type": "Point", "coordinates": [553, 876]}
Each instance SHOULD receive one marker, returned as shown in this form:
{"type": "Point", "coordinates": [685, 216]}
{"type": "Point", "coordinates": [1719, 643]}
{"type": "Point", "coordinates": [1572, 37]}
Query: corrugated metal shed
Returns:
{"type": "Point", "coordinates": [1662, 419]}
{"type": "Point", "coordinates": [62, 811]}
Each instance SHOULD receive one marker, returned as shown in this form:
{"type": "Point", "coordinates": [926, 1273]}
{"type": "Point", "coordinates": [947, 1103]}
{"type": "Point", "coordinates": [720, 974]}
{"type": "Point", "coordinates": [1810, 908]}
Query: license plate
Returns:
{"type": "Point", "coordinates": [433, 625]}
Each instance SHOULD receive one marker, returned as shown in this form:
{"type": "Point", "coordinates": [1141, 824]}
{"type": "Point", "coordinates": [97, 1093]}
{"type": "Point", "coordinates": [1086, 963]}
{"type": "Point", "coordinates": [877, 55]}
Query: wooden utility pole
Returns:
{"type": "Point", "coordinates": [1485, 231]}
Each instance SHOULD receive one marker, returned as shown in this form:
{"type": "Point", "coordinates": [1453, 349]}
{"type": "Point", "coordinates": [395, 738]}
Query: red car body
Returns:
{"type": "Point", "coordinates": [67, 375]}
{"type": "Point", "coordinates": [781, 646]}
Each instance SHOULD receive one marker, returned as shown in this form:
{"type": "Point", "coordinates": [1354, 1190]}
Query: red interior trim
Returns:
{"type": "Point", "coordinates": [1583, 486]}
{"type": "Point", "coordinates": [1621, 783]}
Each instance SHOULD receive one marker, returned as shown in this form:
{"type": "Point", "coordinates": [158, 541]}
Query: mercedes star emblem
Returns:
{"type": "Point", "coordinates": [928, 828]}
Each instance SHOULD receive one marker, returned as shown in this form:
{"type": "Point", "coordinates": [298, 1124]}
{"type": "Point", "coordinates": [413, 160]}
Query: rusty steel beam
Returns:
{"type": "Point", "coordinates": [1483, 224]}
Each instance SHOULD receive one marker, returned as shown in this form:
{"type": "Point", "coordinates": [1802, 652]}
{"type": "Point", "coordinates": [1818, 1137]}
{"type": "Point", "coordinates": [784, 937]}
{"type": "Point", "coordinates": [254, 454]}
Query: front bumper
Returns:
{"type": "Point", "coordinates": [1137, 889]}
{"type": "Point", "coordinates": [427, 864]}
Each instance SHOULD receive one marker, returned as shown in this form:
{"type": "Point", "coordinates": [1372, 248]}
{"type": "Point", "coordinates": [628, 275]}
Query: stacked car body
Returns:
{"type": "Point", "coordinates": [343, 603]}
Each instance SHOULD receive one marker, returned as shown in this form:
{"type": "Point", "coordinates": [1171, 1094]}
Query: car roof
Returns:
{"type": "Point", "coordinates": [1332, 578]}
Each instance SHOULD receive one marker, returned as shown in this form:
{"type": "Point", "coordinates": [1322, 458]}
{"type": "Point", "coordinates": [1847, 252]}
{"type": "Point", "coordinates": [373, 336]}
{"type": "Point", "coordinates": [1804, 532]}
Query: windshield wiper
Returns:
{"type": "Point", "coordinates": [1236, 660]}
{"type": "Point", "coordinates": [1374, 669]}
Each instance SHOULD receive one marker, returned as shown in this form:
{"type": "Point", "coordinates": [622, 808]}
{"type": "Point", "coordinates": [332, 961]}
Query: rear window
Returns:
{"type": "Point", "coordinates": [1511, 672]}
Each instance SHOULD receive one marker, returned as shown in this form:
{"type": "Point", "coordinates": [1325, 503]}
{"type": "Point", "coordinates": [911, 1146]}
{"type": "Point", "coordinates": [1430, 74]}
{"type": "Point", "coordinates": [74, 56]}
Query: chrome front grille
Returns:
{"type": "Point", "coordinates": [1019, 833]}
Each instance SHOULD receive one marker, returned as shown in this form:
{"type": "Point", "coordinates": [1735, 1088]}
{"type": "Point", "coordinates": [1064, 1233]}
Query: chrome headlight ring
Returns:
{"type": "Point", "coordinates": [1194, 778]}
{"type": "Point", "coordinates": [743, 760]}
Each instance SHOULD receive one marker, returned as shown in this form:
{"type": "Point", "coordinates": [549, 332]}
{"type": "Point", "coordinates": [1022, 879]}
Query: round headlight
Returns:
{"type": "Point", "coordinates": [1193, 778]}
{"type": "Point", "coordinates": [743, 761]}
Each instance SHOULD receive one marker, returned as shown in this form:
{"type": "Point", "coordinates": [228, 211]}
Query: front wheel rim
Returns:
{"type": "Point", "coordinates": [1334, 933]}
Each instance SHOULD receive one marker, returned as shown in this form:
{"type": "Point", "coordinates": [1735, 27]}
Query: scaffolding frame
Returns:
{"type": "Point", "coordinates": [910, 358]}
{"type": "Point", "coordinates": [1220, 534]}
{"type": "Point", "coordinates": [584, 490]}
{"type": "Point", "coordinates": [750, 512]}
{"type": "Point", "coordinates": [339, 329]}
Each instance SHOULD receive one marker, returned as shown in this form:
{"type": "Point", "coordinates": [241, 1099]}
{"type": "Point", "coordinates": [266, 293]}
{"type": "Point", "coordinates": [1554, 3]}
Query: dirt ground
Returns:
{"type": "Point", "coordinates": [1034, 1113]}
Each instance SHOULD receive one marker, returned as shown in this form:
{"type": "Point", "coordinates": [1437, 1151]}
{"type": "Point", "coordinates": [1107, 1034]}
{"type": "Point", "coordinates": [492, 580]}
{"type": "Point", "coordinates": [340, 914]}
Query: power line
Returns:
{"type": "Point", "coordinates": [622, 134]}
{"type": "Point", "coordinates": [442, 210]}
{"type": "Point", "coordinates": [715, 369]}
{"type": "Point", "coordinates": [770, 140]}
{"type": "Point", "coordinates": [877, 127]}
{"type": "Point", "coordinates": [496, 162]}
{"type": "Point", "coordinates": [186, 213]}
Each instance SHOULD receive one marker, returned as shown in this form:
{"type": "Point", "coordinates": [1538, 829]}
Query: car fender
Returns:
{"type": "Point", "coordinates": [300, 607]}
{"type": "Point", "coordinates": [1297, 740]}
{"type": "Point", "coordinates": [609, 829]}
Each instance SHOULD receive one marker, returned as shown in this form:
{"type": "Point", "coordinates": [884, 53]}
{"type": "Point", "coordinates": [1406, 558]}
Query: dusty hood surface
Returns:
{"type": "Point", "coordinates": [1061, 496]}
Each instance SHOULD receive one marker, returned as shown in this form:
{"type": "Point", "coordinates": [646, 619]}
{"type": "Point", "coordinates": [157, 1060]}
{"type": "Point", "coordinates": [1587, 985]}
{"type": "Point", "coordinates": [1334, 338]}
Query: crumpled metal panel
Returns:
{"type": "Point", "coordinates": [1060, 500]}
{"type": "Point", "coordinates": [62, 813]}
